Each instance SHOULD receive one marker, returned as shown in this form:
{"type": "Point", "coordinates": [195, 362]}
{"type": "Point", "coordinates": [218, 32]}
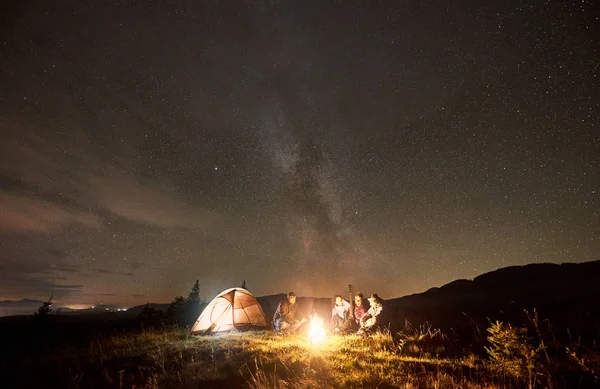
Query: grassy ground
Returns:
{"type": "Point", "coordinates": [171, 359]}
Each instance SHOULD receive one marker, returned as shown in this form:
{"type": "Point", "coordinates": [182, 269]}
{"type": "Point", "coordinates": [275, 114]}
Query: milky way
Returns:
{"type": "Point", "coordinates": [396, 146]}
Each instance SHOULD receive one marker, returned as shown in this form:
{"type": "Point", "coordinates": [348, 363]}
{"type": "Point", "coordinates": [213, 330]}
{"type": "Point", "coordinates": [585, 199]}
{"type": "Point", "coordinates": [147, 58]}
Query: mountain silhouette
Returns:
{"type": "Point", "coordinates": [566, 295]}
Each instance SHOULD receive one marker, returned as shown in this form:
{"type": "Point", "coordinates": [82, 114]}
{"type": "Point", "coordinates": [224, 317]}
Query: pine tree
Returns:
{"type": "Point", "coordinates": [41, 318]}
{"type": "Point", "coordinates": [45, 308]}
{"type": "Point", "coordinates": [193, 304]}
{"type": "Point", "coordinates": [194, 296]}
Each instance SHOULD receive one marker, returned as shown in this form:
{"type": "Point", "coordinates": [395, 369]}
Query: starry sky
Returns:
{"type": "Point", "coordinates": [394, 145]}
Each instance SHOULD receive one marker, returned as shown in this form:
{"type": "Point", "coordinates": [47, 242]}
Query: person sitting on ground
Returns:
{"type": "Point", "coordinates": [357, 310]}
{"type": "Point", "coordinates": [339, 314]}
{"type": "Point", "coordinates": [284, 319]}
{"type": "Point", "coordinates": [370, 320]}
{"type": "Point", "coordinates": [360, 309]}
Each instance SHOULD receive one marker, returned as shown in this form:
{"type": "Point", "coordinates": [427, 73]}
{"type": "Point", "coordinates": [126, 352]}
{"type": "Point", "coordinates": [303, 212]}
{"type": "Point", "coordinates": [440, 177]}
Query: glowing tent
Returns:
{"type": "Point", "coordinates": [233, 308]}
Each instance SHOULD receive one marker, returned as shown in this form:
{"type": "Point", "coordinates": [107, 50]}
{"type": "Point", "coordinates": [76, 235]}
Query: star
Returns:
{"type": "Point", "coordinates": [245, 146]}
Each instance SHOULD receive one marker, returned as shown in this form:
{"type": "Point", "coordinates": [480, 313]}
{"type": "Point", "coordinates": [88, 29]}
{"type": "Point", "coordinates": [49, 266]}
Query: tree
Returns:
{"type": "Point", "coordinates": [194, 296]}
{"type": "Point", "coordinates": [176, 310]}
{"type": "Point", "coordinates": [45, 309]}
{"type": "Point", "coordinates": [193, 305]}
{"type": "Point", "coordinates": [244, 284]}
{"type": "Point", "coordinates": [41, 318]}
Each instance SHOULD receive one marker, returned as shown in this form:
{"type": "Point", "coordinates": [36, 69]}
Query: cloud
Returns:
{"type": "Point", "coordinates": [35, 160]}
{"type": "Point", "coordinates": [48, 183]}
{"type": "Point", "coordinates": [9, 267]}
{"type": "Point", "coordinates": [112, 272]}
{"type": "Point", "coordinates": [26, 214]}
{"type": "Point", "coordinates": [41, 181]}
{"type": "Point", "coordinates": [34, 274]}
{"type": "Point", "coordinates": [37, 287]}
{"type": "Point", "coordinates": [64, 268]}
{"type": "Point", "coordinates": [23, 263]}
{"type": "Point", "coordinates": [129, 199]}
{"type": "Point", "coordinates": [57, 253]}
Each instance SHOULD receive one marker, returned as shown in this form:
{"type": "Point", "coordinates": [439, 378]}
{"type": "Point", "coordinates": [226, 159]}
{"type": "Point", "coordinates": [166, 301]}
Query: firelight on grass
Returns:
{"type": "Point", "coordinates": [317, 334]}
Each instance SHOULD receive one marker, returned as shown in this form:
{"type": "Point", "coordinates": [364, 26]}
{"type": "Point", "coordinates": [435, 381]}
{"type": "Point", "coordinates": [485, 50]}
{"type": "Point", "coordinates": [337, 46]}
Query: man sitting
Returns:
{"type": "Point", "coordinates": [370, 319]}
{"type": "Point", "coordinates": [284, 320]}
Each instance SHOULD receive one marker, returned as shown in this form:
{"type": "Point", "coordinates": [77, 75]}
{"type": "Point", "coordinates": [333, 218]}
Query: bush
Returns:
{"type": "Point", "coordinates": [511, 352]}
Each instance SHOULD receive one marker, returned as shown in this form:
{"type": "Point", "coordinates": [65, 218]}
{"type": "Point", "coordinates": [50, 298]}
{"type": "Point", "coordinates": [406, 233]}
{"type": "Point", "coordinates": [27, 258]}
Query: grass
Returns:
{"type": "Point", "coordinates": [170, 359]}
{"type": "Point", "coordinates": [416, 358]}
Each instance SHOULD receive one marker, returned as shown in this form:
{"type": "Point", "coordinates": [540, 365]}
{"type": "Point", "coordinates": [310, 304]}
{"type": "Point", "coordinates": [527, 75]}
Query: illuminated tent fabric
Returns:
{"type": "Point", "coordinates": [233, 308]}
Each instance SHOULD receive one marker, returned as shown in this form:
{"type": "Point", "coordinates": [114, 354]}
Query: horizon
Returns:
{"type": "Point", "coordinates": [121, 304]}
{"type": "Point", "coordinates": [394, 147]}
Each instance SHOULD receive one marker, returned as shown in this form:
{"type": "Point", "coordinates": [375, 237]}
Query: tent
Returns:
{"type": "Point", "coordinates": [233, 308]}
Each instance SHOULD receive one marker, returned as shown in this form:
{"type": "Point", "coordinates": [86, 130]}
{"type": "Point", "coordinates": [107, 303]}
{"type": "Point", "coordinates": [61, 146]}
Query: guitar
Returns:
{"type": "Point", "coordinates": [351, 300]}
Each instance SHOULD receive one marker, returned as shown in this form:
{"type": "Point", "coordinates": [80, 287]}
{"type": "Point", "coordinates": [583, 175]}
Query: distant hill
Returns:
{"type": "Point", "coordinates": [115, 310]}
{"type": "Point", "coordinates": [134, 311]}
{"type": "Point", "coordinates": [27, 307]}
{"type": "Point", "coordinates": [20, 307]}
{"type": "Point", "coordinates": [19, 302]}
{"type": "Point", "coordinates": [565, 294]}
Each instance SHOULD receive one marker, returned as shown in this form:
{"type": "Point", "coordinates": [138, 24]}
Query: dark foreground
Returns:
{"type": "Point", "coordinates": [106, 355]}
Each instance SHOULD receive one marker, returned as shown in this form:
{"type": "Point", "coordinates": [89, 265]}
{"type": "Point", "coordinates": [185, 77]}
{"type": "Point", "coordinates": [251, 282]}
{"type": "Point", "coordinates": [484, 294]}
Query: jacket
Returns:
{"type": "Point", "coordinates": [359, 312]}
{"type": "Point", "coordinates": [370, 318]}
{"type": "Point", "coordinates": [285, 312]}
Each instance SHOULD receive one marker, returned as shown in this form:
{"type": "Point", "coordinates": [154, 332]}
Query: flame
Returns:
{"type": "Point", "coordinates": [317, 334]}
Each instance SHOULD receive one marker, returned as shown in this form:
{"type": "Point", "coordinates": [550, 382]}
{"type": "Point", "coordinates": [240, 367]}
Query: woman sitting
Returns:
{"type": "Point", "coordinates": [360, 309]}
{"type": "Point", "coordinates": [339, 314]}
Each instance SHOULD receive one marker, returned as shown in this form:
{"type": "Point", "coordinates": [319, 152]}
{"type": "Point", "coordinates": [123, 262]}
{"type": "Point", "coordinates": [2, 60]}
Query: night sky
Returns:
{"type": "Point", "coordinates": [298, 146]}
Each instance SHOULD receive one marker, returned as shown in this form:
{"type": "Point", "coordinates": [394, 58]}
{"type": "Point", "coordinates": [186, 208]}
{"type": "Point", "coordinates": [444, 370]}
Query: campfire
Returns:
{"type": "Point", "coordinates": [317, 334]}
